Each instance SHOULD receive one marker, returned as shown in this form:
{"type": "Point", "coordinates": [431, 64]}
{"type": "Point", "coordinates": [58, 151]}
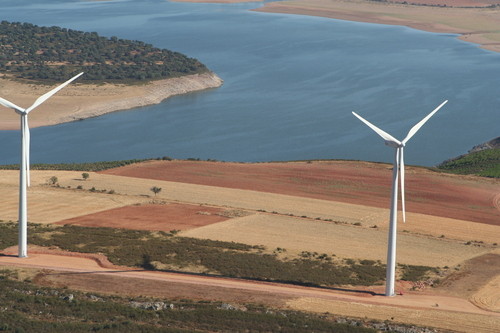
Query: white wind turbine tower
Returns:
{"type": "Point", "coordinates": [398, 170]}
{"type": "Point", "coordinates": [24, 179]}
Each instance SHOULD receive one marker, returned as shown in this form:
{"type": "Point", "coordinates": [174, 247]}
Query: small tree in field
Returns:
{"type": "Point", "coordinates": [155, 190]}
{"type": "Point", "coordinates": [53, 180]}
{"type": "Point", "coordinates": [85, 176]}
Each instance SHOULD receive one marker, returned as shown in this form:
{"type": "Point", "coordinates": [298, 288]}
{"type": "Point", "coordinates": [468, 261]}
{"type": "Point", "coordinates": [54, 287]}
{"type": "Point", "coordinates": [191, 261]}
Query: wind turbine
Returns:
{"type": "Point", "coordinates": [398, 170]}
{"type": "Point", "coordinates": [24, 179]}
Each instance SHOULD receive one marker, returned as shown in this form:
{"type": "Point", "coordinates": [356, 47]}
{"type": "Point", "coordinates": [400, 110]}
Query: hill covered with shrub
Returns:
{"type": "Point", "coordinates": [482, 160]}
{"type": "Point", "coordinates": [28, 51]}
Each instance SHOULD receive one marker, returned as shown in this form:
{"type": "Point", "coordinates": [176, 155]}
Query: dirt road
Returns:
{"type": "Point", "coordinates": [432, 309]}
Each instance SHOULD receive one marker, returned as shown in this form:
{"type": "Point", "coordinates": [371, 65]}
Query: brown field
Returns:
{"type": "Point", "coordinates": [361, 183]}
{"type": "Point", "coordinates": [152, 217]}
{"type": "Point", "coordinates": [298, 206]}
{"type": "Point", "coordinates": [451, 3]}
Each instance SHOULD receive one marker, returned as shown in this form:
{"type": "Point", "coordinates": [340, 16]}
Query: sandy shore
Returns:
{"type": "Point", "coordinates": [78, 101]}
{"type": "Point", "coordinates": [472, 19]}
{"type": "Point", "coordinates": [475, 25]}
{"type": "Point", "coordinates": [216, 1]}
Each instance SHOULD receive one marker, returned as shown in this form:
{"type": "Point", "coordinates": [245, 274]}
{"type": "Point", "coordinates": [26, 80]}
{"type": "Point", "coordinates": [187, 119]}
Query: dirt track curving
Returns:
{"type": "Point", "coordinates": [416, 308]}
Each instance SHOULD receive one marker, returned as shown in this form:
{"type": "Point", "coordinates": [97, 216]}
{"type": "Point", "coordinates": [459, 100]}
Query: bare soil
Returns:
{"type": "Point", "coordinates": [363, 183]}
{"type": "Point", "coordinates": [158, 217]}
{"type": "Point", "coordinates": [450, 3]}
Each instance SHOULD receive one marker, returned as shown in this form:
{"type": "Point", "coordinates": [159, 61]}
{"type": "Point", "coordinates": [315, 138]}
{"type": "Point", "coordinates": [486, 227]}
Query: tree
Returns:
{"type": "Point", "coordinates": [53, 180]}
{"type": "Point", "coordinates": [155, 190]}
{"type": "Point", "coordinates": [85, 176]}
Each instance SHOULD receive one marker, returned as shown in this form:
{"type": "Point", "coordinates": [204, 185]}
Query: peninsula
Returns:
{"type": "Point", "coordinates": [119, 74]}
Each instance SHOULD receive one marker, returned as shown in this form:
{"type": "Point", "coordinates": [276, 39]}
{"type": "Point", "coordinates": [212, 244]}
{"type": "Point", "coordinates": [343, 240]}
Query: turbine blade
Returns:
{"type": "Point", "coordinates": [421, 123]}
{"type": "Point", "coordinates": [402, 177]}
{"type": "Point", "coordinates": [10, 105]}
{"type": "Point", "coordinates": [386, 136]}
{"type": "Point", "coordinates": [27, 157]}
{"type": "Point", "coordinates": [46, 96]}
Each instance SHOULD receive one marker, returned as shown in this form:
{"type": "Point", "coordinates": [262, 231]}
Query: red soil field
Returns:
{"type": "Point", "coordinates": [151, 217]}
{"type": "Point", "coordinates": [453, 196]}
{"type": "Point", "coordinates": [450, 3]}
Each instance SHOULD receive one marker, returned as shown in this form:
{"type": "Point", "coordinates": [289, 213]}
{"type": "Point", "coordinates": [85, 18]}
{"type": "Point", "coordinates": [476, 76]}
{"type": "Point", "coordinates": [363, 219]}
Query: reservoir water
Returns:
{"type": "Point", "coordinates": [290, 84]}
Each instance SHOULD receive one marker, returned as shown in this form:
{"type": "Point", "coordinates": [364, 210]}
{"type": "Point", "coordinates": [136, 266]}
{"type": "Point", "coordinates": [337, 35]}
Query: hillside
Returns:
{"type": "Point", "coordinates": [482, 160]}
{"type": "Point", "coordinates": [49, 54]}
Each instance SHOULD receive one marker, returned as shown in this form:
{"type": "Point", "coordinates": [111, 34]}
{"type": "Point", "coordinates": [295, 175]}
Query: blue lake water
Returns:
{"type": "Point", "coordinates": [291, 83]}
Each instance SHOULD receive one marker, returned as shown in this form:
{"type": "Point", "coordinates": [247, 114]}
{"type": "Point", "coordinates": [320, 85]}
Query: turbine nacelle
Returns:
{"type": "Point", "coordinates": [394, 144]}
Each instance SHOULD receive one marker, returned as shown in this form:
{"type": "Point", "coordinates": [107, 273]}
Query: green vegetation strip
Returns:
{"type": "Point", "coordinates": [485, 163]}
{"type": "Point", "coordinates": [88, 166]}
{"type": "Point", "coordinates": [164, 251]}
{"type": "Point", "coordinates": [49, 54]}
{"type": "Point", "coordinates": [29, 308]}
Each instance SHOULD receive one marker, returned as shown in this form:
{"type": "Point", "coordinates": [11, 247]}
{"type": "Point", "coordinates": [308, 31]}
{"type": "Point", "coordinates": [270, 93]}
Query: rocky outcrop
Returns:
{"type": "Point", "coordinates": [492, 144]}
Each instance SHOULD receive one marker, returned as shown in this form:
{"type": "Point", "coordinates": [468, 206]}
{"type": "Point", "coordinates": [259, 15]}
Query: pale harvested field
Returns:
{"type": "Point", "coordinates": [456, 321]}
{"type": "Point", "coordinates": [477, 25]}
{"type": "Point", "coordinates": [489, 296]}
{"type": "Point", "coordinates": [130, 190]}
{"type": "Point", "coordinates": [50, 204]}
{"type": "Point", "coordinates": [345, 241]}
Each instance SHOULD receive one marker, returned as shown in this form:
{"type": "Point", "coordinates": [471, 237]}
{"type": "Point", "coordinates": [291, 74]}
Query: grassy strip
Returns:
{"type": "Point", "coordinates": [87, 166]}
{"type": "Point", "coordinates": [163, 251]}
{"type": "Point", "coordinates": [29, 308]}
{"type": "Point", "coordinates": [485, 163]}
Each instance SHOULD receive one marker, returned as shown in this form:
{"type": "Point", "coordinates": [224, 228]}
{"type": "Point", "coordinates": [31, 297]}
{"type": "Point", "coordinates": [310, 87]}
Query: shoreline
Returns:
{"type": "Point", "coordinates": [474, 25]}
{"type": "Point", "coordinates": [474, 21]}
{"type": "Point", "coordinates": [93, 100]}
